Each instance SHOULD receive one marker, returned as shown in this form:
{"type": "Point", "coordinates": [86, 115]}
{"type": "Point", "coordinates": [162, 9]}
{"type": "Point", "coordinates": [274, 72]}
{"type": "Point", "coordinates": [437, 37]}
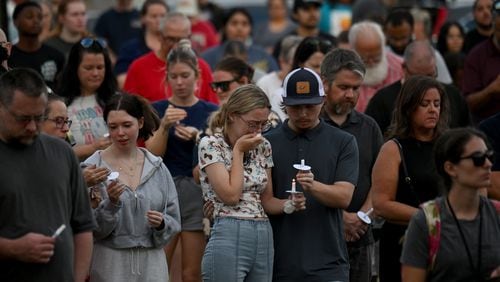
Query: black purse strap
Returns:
{"type": "Point", "coordinates": [407, 177]}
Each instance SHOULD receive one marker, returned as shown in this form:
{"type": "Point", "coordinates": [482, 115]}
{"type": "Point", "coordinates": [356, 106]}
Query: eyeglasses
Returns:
{"type": "Point", "coordinates": [255, 125]}
{"type": "Point", "coordinates": [173, 39]}
{"type": "Point", "coordinates": [89, 41]}
{"type": "Point", "coordinates": [480, 158]}
{"type": "Point", "coordinates": [60, 122]}
{"type": "Point", "coordinates": [26, 119]}
{"type": "Point", "coordinates": [222, 85]}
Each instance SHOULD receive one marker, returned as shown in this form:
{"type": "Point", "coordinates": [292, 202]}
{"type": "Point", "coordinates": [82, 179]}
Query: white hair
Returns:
{"type": "Point", "coordinates": [366, 28]}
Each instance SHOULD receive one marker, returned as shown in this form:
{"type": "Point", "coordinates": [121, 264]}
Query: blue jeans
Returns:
{"type": "Point", "coordinates": [239, 250]}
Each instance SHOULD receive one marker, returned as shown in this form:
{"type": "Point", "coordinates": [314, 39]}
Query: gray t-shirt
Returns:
{"type": "Point", "coordinates": [452, 263]}
{"type": "Point", "coordinates": [41, 187]}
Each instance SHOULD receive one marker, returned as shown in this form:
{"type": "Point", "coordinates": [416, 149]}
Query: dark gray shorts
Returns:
{"type": "Point", "coordinates": [190, 203]}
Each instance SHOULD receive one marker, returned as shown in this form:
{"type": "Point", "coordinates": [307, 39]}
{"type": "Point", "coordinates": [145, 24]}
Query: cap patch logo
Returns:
{"type": "Point", "coordinates": [302, 87]}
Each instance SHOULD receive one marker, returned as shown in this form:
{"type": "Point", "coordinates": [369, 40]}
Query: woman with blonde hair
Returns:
{"type": "Point", "coordinates": [235, 166]}
{"type": "Point", "coordinates": [183, 116]}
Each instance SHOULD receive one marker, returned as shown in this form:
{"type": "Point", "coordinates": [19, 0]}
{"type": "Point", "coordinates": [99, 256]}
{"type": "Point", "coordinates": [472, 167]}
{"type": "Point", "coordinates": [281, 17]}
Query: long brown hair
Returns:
{"type": "Point", "coordinates": [409, 99]}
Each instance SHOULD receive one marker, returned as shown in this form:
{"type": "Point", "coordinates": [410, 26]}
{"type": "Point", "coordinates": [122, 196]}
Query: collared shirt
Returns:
{"type": "Point", "coordinates": [369, 138]}
{"type": "Point", "coordinates": [309, 244]}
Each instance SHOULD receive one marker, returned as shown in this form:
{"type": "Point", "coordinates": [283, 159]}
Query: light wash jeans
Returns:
{"type": "Point", "coordinates": [239, 250]}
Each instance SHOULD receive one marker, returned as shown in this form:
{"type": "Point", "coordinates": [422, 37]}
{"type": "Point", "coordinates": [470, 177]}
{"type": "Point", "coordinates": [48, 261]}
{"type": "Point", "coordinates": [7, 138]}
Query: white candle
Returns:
{"type": "Point", "coordinates": [293, 185]}
{"type": "Point", "coordinates": [302, 162]}
{"type": "Point", "coordinates": [369, 211]}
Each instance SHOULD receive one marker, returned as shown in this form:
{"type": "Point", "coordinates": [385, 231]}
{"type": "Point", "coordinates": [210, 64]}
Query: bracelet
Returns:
{"type": "Point", "coordinates": [288, 208]}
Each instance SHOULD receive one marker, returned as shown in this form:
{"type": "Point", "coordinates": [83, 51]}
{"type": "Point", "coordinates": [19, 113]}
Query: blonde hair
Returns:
{"type": "Point", "coordinates": [243, 100]}
{"type": "Point", "coordinates": [183, 53]}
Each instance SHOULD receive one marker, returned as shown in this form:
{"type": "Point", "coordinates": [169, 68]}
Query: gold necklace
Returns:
{"type": "Point", "coordinates": [128, 169]}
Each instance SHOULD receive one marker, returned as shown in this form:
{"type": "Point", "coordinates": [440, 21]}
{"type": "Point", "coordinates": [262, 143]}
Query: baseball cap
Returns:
{"type": "Point", "coordinates": [302, 87]}
{"type": "Point", "coordinates": [304, 3]}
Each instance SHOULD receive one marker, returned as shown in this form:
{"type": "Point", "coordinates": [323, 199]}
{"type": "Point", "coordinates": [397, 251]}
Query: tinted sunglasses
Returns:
{"type": "Point", "coordinates": [89, 41]}
{"type": "Point", "coordinates": [480, 158]}
{"type": "Point", "coordinates": [222, 85]}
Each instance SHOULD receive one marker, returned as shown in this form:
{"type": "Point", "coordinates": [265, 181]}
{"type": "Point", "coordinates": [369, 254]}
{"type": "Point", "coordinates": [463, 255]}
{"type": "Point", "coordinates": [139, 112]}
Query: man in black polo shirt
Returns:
{"type": "Point", "coordinates": [309, 245]}
{"type": "Point", "coordinates": [342, 72]}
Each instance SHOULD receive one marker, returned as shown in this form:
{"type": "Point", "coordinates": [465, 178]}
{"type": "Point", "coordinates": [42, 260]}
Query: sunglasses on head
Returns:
{"type": "Point", "coordinates": [480, 158]}
{"type": "Point", "coordinates": [222, 85]}
{"type": "Point", "coordinates": [89, 41]}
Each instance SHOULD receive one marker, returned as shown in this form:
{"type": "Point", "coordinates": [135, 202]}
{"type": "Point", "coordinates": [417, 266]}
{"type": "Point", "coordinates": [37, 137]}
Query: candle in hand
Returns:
{"type": "Point", "coordinates": [302, 162]}
{"type": "Point", "coordinates": [293, 185]}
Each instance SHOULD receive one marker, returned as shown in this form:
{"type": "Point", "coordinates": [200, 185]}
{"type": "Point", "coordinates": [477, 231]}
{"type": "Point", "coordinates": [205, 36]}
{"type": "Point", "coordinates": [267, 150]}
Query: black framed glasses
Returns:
{"type": "Point", "coordinates": [479, 158]}
{"type": "Point", "coordinates": [89, 41]}
{"type": "Point", "coordinates": [60, 122]}
{"type": "Point", "coordinates": [222, 85]}
{"type": "Point", "coordinates": [256, 125]}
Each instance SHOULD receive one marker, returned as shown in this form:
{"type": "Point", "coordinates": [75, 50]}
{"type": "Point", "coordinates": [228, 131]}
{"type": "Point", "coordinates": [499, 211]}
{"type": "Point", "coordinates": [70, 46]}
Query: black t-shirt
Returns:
{"type": "Point", "coordinates": [472, 38]}
{"type": "Point", "coordinates": [42, 187]}
{"type": "Point", "coordinates": [47, 61]}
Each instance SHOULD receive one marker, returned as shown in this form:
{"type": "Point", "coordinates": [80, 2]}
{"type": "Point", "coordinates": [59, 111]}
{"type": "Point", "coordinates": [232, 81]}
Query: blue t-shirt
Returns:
{"type": "Point", "coordinates": [179, 155]}
{"type": "Point", "coordinates": [129, 51]}
{"type": "Point", "coordinates": [118, 27]}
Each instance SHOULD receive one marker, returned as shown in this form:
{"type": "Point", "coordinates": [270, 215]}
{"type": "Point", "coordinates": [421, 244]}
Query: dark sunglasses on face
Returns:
{"type": "Point", "coordinates": [60, 122]}
{"type": "Point", "coordinates": [88, 41]}
{"type": "Point", "coordinates": [480, 158]}
{"type": "Point", "coordinates": [222, 85]}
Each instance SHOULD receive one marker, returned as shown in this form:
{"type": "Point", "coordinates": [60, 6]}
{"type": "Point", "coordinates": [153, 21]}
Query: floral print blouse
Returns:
{"type": "Point", "coordinates": [214, 149]}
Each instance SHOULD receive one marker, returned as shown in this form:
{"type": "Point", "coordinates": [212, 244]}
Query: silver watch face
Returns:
{"type": "Point", "coordinates": [288, 208]}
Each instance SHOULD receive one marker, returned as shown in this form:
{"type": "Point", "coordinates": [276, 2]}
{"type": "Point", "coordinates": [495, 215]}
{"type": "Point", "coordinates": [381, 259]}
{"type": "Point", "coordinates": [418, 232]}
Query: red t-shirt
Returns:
{"type": "Point", "coordinates": [203, 36]}
{"type": "Point", "coordinates": [146, 77]}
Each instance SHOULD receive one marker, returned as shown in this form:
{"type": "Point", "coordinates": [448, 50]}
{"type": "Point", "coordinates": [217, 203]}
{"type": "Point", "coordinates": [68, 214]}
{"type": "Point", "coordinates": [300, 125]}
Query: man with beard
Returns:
{"type": "Point", "coordinates": [29, 52]}
{"type": "Point", "coordinates": [306, 13]}
{"type": "Point", "coordinates": [309, 243]}
{"type": "Point", "coordinates": [382, 67]}
{"type": "Point", "coordinates": [342, 72]}
{"type": "Point", "coordinates": [41, 189]}
{"type": "Point", "coordinates": [481, 85]}
{"type": "Point", "coordinates": [481, 10]}
{"type": "Point", "coordinates": [419, 59]}
{"type": "Point", "coordinates": [5, 47]}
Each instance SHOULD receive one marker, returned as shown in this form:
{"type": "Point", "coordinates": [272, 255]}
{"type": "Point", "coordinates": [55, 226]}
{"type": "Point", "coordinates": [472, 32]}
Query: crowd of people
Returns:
{"type": "Point", "coordinates": [338, 141]}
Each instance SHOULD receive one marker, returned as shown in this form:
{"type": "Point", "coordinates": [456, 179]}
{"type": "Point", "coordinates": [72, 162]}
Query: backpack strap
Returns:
{"type": "Point", "coordinates": [496, 204]}
{"type": "Point", "coordinates": [433, 219]}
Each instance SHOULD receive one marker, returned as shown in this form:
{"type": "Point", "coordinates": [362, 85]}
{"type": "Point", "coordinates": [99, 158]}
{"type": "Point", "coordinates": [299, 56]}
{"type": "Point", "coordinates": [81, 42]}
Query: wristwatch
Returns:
{"type": "Point", "coordinates": [288, 208]}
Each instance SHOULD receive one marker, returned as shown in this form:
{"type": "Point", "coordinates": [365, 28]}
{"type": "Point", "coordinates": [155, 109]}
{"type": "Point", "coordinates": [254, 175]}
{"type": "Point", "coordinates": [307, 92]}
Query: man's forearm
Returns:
{"type": "Point", "coordinates": [83, 255]}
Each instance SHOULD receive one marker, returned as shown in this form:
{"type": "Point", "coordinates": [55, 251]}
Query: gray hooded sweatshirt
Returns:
{"type": "Point", "coordinates": [125, 225]}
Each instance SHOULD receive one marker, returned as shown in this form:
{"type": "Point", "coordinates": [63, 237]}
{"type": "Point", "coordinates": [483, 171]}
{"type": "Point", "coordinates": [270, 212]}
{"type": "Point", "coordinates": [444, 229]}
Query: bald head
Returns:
{"type": "Point", "coordinates": [419, 59]}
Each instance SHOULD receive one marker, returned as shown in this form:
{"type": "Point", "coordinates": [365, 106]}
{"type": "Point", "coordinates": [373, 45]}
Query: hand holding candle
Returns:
{"type": "Point", "coordinates": [365, 217]}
